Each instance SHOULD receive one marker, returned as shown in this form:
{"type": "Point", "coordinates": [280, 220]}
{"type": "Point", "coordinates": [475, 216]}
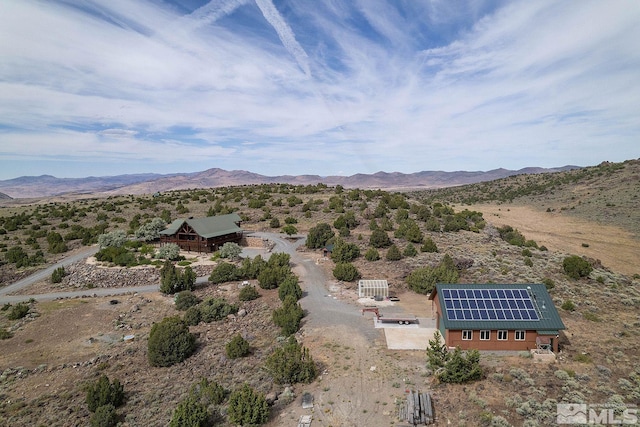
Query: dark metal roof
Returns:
{"type": "Point", "coordinates": [549, 319]}
{"type": "Point", "coordinates": [211, 226]}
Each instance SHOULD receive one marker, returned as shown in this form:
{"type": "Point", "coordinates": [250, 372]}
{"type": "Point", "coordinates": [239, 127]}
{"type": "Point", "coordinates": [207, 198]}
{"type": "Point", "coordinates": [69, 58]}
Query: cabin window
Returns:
{"type": "Point", "coordinates": [503, 335]}
{"type": "Point", "coordinates": [467, 334]}
{"type": "Point", "coordinates": [520, 335]}
{"type": "Point", "coordinates": [485, 335]}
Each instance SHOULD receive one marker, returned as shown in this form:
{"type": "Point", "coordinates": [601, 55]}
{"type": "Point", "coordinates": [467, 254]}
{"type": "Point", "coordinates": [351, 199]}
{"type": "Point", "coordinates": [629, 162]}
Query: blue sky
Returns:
{"type": "Point", "coordinates": [323, 87]}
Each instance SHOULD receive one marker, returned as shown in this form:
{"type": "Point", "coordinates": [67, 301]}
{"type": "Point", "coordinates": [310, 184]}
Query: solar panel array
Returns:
{"type": "Point", "coordinates": [489, 304]}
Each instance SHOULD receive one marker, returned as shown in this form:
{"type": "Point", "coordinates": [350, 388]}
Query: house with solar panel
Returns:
{"type": "Point", "coordinates": [203, 234]}
{"type": "Point", "coordinates": [496, 317]}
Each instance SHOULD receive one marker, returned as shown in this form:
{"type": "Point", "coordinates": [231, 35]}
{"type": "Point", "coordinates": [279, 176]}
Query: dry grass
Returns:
{"type": "Point", "coordinates": [615, 247]}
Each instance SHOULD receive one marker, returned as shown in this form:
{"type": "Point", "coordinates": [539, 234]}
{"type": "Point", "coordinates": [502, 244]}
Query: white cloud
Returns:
{"type": "Point", "coordinates": [531, 83]}
{"type": "Point", "coordinates": [285, 33]}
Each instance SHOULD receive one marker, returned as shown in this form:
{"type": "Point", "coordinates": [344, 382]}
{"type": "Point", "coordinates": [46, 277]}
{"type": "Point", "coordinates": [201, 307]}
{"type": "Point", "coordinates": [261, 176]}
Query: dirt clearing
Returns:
{"type": "Point", "coordinates": [613, 246]}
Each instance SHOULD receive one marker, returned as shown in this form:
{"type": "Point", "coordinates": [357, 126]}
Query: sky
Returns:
{"type": "Point", "coordinates": [326, 87]}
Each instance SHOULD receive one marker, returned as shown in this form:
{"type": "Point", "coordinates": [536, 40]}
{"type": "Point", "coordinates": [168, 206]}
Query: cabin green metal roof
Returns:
{"type": "Point", "coordinates": [548, 324]}
{"type": "Point", "coordinates": [211, 226]}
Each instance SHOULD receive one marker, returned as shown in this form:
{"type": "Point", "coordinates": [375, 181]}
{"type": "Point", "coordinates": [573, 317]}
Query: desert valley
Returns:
{"type": "Point", "coordinates": [86, 307]}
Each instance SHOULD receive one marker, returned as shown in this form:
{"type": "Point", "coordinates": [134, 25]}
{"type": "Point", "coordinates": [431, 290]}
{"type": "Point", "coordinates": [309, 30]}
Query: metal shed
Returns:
{"type": "Point", "coordinates": [372, 288]}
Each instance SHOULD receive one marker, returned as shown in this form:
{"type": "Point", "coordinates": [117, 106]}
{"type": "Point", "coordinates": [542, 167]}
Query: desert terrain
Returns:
{"type": "Point", "coordinates": [61, 345]}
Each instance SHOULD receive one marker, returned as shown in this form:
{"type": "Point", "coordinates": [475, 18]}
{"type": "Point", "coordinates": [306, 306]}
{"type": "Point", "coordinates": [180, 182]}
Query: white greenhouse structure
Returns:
{"type": "Point", "coordinates": [372, 288]}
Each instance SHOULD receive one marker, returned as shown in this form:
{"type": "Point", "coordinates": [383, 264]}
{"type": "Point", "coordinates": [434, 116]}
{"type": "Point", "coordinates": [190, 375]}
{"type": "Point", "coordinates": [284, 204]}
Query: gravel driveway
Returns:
{"type": "Point", "coordinates": [322, 310]}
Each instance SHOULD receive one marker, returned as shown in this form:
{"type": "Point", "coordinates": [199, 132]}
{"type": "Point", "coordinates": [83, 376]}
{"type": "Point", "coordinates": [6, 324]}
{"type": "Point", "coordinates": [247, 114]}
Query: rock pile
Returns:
{"type": "Point", "coordinates": [83, 275]}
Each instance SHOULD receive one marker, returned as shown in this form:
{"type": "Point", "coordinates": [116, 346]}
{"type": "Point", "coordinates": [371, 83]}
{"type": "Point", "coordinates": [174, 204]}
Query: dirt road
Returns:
{"type": "Point", "coordinates": [322, 308]}
{"type": "Point", "coordinates": [42, 275]}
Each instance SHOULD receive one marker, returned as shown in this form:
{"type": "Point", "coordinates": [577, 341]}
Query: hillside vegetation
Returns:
{"type": "Point", "coordinates": [608, 193]}
{"type": "Point", "coordinates": [411, 239]}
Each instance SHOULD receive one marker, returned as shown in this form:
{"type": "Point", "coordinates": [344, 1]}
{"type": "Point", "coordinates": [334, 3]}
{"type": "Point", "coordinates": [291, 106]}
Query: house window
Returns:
{"type": "Point", "coordinates": [485, 335]}
{"type": "Point", "coordinates": [519, 335]}
{"type": "Point", "coordinates": [467, 334]}
{"type": "Point", "coordinates": [502, 335]}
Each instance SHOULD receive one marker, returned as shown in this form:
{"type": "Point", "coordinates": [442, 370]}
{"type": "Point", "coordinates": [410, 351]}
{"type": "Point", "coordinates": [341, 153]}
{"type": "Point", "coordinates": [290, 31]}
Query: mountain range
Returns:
{"type": "Point", "coordinates": [47, 185]}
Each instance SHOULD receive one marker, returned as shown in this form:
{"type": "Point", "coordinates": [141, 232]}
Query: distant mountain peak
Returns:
{"type": "Point", "coordinates": [47, 185]}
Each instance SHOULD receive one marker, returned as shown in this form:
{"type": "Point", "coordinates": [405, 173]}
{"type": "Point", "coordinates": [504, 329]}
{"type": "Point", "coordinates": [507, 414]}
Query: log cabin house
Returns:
{"type": "Point", "coordinates": [203, 234]}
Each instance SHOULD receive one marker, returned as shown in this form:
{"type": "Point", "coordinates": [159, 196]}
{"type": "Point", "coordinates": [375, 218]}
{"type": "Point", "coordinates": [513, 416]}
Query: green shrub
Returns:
{"type": "Point", "coordinates": [213, 309]}
{"type": "Point", "coordinates": [17, 256]}
{"type": "Point", "coordinates": [104, 392]}
{"type": "Point", "coordinates": [4, 334]}
{"type": "Point", "coordinates": [173, 280]}
{"type": "Point", "coordinates": [291, 287]}
{"type": "Point", "coordinates": [291, 364]}
{"type": "Point", "coordinates": [251, 268]}
{"type": "Point", "coordinates": [372, 254]}
{"type": "Point", "coordinates": [548, 283]}
{"type": "Point", "coordinates": [225, 272]}
{"type": "Point", "coordinates": [410, 250]}
{"type": "Point", "coordinates": [576, 267]}
{"type": "Point", "coordinates": [568, 305]}
{"type": "Point", "coordinates": [428, 246]}
{"type": "Point", "coordinates": [437, 353]}
{"type": "Point", "coordinates": [344, 252]}
{"type": "Point", "coordinates": [462, 368]}
{"type": "Point", "coordinates": [289, 230]}
{"type": "Point", "coordinates": [125, 259]}
{"type": "Point", "coordinates": [410, 231]}
{"type": "Point", "coordinates": [274, 223]}
{"type": "Point", "coordinates": [422, 280]}
{"type": "Point", "coordinates": [104, 416]}
{"type": "Point", "coordinates": [288, 316]}
{"type": "Point", "coordinates": [18, 311]}
{"type": "Point", "coordinates": [270, 277]}
{"type": "Point", "coordinates": [319, 235]}
{"type": "Point", "coordinates": [393, 254]}
{"type": "Point", "coordinates": [247, 407]}
{"type": "Point", "coordinates": [56, 243]}
{"type": "Point", "coordinates": [192, 316]}
{"type": "Point", "coordinates": [527, 252]}
{"type": "Point", "coordinates": [110, 253]}
{"type": "Point", "coordinates": [346, 272]}
{"type": "Point", "coordinates": [237, 347]}
{"type": "Point", "coordinates": [511, 235]}
{"type": "Point", "coordinates": [186, 299]}
{"type": "Point", "coordinates": [58, 274]}
{"type": "Point", "coordinates": [209, 392]}
{"type": "Point", "coordinates": [170, 342]}
{"type": "Point", "coordinates": [379, 239]}
{"type": "Point", "coordinates": [248, 293]}
{"type": "Point", "coordinates": [528, 262]}
{"type": "Point", "coordinates": [432, 224]}
{"type": "Point", "coordinates": [190, 412]}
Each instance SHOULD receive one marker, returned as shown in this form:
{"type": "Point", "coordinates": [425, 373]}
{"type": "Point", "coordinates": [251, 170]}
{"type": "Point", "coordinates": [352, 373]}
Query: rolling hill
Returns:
{"type": "Point", "coordinates": [47, 185]}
